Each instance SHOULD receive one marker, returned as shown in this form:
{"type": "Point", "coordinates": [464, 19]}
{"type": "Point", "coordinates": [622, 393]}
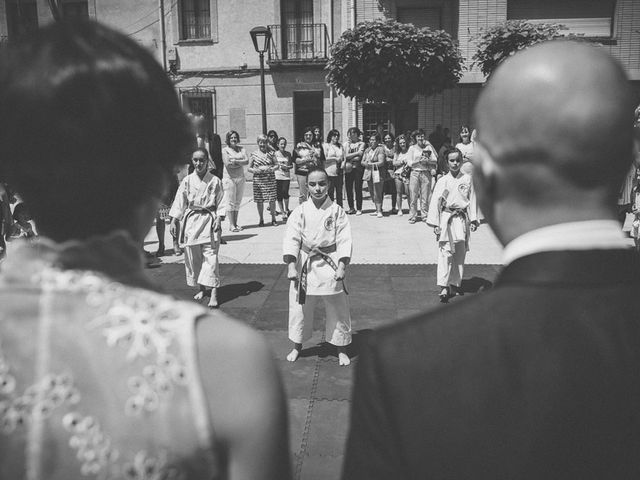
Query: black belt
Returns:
{"type": "Point", "coordinates": [314, 252]}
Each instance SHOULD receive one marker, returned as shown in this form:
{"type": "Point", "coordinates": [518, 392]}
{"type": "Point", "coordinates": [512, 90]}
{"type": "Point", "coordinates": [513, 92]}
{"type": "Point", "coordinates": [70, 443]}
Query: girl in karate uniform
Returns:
{"type": "Point", "coordinates": [317, 250]}
{"type": "Point", "coordinates": [198, 204]}
{"type": "Point", "coordinates": [453, 214]}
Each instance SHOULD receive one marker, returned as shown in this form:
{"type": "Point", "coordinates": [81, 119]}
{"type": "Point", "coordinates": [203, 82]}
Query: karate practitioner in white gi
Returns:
{"type": "Point", "coordinates": [317, 249]}
{"type": "Point", "coordinates": [199, 206]}
{"type": "Point", "coordinates": [453, 214]}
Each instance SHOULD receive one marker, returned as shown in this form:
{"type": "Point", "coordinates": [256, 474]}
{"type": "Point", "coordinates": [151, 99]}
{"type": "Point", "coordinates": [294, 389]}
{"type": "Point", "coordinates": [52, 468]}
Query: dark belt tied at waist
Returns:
{"type": "Point", "coordinates": [457, 212]}
{"type": "Point", "coordinates": [212, 213]}
{"type": "Point", "coordinates": [314, 253]}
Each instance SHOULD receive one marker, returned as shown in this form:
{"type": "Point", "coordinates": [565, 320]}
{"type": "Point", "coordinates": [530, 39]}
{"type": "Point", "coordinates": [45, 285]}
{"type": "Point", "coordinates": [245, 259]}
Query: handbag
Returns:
{"type": "Point", "coordinates": [366, 176]}
{"type": "Point", "coordinates": [375, 174]}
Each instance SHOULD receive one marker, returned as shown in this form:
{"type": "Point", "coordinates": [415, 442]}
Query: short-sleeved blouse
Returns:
{"type": "Point", "coordinates": [331, 165]}
{"type": "Point", "coordinates": [234, 171]}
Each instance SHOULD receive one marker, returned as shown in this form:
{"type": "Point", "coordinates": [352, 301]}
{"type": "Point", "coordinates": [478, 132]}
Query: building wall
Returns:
{"type": "Point", "coordinates": [627, 36]}
{"type": "Point", "coordinates": [231, 67]}
{"type": "Point", "coordinates": [140, 19]}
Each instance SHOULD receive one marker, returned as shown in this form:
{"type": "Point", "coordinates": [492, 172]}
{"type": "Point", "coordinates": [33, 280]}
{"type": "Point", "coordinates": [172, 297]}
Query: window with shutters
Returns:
{"type": "Point", "coordinates": [197, 20]}
{"type": "Point", "coordinates": [588, 18]}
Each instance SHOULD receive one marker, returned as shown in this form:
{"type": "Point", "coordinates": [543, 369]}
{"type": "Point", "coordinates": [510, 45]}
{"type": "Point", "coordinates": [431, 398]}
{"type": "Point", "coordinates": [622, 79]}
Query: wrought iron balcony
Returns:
{"type": "Point", "coordinates": [299, 44]}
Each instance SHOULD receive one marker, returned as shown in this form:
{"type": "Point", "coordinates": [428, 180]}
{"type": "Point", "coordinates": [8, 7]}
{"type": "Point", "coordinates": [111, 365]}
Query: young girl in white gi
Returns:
{"type": "Point", "coordinates": [199, 205]}
{"type": "Point", "coordinates": [453, 214]}
{"type": "Point", "coordinates": [317, 249]}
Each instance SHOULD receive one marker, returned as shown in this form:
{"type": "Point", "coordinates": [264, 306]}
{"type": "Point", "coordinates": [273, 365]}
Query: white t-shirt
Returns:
{"type": "Point", "coordinates": [332, 151]}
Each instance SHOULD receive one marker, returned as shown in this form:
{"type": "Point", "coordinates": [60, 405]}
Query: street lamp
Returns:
{"type": "Point", "coordinates": [261, 37]}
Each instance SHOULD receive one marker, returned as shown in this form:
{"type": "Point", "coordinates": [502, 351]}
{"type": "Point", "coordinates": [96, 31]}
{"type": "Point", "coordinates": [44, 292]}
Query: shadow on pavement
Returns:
{"type": "Point", "coordinates": [325, 349]}
{"type": "Point", "coordinates": [227, 293]}
{"type": "Point", "coordinates": [475, 285]}
{"type": "Point", "coordinates": [238, 237]}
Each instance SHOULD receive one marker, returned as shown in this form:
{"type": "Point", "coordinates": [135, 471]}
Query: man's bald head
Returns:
{"type": "Point", "coordinates": [563, 107]}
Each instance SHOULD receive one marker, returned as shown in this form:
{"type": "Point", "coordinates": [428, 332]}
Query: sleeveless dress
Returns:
{"type": "Point", "coordinates": [264, 183]}
{"type": "Point", "coordinates": [98, 373]}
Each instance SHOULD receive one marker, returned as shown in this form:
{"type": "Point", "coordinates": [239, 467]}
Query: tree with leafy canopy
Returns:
{"type": "Point", "coordinates": [388, 61]}
{"type": "Point", "coordinates": [499, 42]}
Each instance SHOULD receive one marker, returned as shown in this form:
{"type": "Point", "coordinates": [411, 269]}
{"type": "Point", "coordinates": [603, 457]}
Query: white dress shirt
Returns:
{"type": "Point", "coordinates": [586, 235]}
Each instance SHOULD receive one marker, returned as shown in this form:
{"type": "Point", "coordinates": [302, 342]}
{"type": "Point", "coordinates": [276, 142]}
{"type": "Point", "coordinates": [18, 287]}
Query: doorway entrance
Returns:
{"type": "Point", "coordinates": [307, 112]}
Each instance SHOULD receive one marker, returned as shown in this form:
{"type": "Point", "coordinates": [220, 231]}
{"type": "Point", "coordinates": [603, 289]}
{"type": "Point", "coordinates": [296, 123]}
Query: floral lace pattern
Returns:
{"type": "Point", "coordinates": [156, 380]}
{"type": "Point", "coordinates": [146, 467]}
{"type": "Point", "coordinates": [144, 324]}
{"type": "Point", "coordinates": [37, 401]}
{"type": "Point", "coordinates": [93, 447]}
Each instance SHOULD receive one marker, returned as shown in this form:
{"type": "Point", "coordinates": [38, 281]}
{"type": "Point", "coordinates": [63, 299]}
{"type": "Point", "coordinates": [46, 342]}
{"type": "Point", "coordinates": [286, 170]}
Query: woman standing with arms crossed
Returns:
{"type": "Point", "coordinates": [389, 186]}
{"type": "Point", "coordinates": [374, 162]}
{"type": "Point", "coordinates": [401, 170]}
{"type": "Point", "coordinates": [233, 181]}
{"type": "Point", "coordinates": [422, 160]}
{"type": "Point", "coordinates": [305, 157]}
{"type": "Point", "coordinates": [354, 149]}
{"type": "Point", "coordinates": [334, 158]}
{"type": "Point", "coordinates": [263, 165]}
{"type": "Point", "coordinates": [466, 146]}
{"type": "Point", "coordinates": [283, 176]}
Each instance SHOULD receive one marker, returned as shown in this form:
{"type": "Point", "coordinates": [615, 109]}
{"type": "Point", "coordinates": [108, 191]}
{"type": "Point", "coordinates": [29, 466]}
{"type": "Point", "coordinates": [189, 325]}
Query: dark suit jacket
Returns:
{"type": "Point", "coordinates": [537, 378]}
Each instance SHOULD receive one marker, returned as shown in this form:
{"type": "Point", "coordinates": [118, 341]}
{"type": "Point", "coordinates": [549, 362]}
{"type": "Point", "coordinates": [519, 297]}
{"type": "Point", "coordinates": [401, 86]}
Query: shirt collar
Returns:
{"type": "Point", "coordinates": [585, 235]}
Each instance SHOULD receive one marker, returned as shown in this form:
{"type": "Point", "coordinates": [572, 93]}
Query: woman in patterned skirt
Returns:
{"type": "Point", "coordinates": [263, 165]}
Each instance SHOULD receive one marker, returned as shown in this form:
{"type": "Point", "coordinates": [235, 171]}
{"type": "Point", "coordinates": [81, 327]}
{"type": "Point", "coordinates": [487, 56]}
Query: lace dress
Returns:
{"type": "Point", "coordinates": [98, 377]}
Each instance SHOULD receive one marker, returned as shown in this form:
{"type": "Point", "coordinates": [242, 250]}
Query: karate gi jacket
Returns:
{"type": "Point", "coordinates": [453, 206]}
{"type": "Point", "coordinates": [194, 193]}
{"type": "Point", "coordinates": [326, 228]}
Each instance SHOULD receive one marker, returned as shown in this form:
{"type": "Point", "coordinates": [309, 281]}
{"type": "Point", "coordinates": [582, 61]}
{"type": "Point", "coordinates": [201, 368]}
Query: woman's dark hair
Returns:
{"type": "Point", "coordinates": [109, 127]}
{"type": "Point", "coordinates": [202, 150]}
{"type": "Point", "coordinates": [307, 130]}
{"type": "Point", "coordinates": [332, 133]}
{"type": "Point", "coordinates": [415, 133]}
{"type": "Point", "coordinates": [402, 136]}
{"type": "Point", "coordinates": [272, 133]}
{"type": "Point", "coordinates": [354, 130]}
{"type": "Point", "coordinates": [317, 169]}
{"type": "Point", "coordinates": [376, 135]}
{"type": "Point", "coordinates": [393, 138]}
{"type": "Point", "coordinates": [229, 135]}
{"type": "Point", "coordinates": [464, 127]}
{"type": "Point", "coordinates": [449, 151]}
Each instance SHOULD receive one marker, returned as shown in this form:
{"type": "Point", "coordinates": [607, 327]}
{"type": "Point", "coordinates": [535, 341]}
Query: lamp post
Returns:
{"type": "Point", "coordinates": [261, 37]}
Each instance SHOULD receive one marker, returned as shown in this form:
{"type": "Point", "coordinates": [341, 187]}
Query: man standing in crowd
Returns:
{"type": "Point", "coordinates": [539, 377]}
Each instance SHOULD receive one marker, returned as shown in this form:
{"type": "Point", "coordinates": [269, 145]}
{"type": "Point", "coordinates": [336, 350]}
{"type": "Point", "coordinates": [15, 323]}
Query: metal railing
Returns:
{"type": "Point", "coordinates": [299, 42]}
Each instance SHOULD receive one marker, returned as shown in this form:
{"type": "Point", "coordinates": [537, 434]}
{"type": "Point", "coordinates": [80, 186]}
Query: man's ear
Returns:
{"type": "Point", "coordinates": [485, 179]}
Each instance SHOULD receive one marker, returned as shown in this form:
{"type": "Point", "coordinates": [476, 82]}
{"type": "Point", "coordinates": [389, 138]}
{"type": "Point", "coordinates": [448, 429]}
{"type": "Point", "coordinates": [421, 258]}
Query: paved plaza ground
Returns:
{"type": "Point", "coordinates": [392, 277]}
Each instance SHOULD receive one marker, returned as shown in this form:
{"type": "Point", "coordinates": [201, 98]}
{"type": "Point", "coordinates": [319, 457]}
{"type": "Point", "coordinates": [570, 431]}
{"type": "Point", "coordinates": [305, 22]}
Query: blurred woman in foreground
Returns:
{"type": "Point", "coordinates": [103, 376]}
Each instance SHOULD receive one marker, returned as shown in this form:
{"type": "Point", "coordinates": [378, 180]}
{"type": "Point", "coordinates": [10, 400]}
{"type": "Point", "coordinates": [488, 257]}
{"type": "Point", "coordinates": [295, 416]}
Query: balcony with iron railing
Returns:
{"type": "Point", "coordinates": [299, 44]}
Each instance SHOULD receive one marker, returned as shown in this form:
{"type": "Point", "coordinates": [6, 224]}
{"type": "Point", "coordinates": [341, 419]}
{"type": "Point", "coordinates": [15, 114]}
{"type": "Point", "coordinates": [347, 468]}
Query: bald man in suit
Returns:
{"type": "Point", "coordinates": [539, 377]}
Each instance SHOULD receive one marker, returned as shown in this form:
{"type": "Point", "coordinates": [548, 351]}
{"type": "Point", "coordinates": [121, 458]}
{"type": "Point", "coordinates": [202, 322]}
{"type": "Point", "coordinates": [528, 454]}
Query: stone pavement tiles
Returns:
{"type": "Point", "coordinates": [318, 390]}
